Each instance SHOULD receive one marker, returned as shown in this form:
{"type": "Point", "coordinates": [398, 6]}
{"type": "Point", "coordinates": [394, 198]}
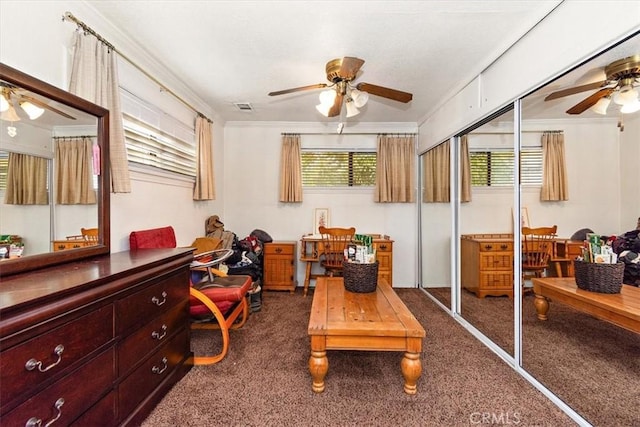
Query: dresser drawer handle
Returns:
{"type": "Point", "coordinates": [157, 370]}
{"type": "Point", "coordinates": [33, 363]}
{"type": "Point", "coordinates": [488, 247]}
{"type": "Point", "coordinates": [37, 422]}
{"type": "Point", "coordinates": [157, 302]}
{"type": "Point", "coordinates": [159, 335]}
{"type": "Point", "coordinates": [383, 247]}
{"type": "Point", "coordinates": [278, 250]}
{"type": "Point", "coordinates": [504, 247]}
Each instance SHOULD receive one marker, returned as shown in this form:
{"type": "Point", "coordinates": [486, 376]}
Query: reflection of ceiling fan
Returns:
{"type": "Point", "coordinates": [341, 72]}
{"type": "Point", "coordinates": [620, 84]}
{"type": "Point", "coordinates": [30, 105]}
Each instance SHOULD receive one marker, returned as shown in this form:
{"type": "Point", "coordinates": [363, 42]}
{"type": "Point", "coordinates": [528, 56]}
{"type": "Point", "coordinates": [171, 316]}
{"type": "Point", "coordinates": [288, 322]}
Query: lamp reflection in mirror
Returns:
{"type": "Point", "coordinates": [32, 111]}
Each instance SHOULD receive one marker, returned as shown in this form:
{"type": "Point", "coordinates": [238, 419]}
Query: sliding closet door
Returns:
{"type": "Point", "coordinates": [486, 176]}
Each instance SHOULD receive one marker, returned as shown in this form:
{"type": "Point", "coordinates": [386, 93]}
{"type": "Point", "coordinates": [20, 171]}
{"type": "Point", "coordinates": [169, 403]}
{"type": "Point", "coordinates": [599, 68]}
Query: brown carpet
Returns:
{"type": "Point", "coordinates": [590, 364]}
{"type": "Point", "coordinates": [264, 380]}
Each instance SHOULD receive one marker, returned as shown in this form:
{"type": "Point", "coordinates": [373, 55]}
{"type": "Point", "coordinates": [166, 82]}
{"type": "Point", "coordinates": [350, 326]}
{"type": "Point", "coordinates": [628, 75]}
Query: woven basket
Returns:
{"type": "Point", "coordinates": [360, 278]}
{"type": "Point", "coordinates": [603, 278]}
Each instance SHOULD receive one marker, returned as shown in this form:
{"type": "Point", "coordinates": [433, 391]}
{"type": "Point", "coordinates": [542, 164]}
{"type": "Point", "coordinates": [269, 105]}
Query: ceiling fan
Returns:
{"type": "Point", "coordinates": [341, 72]}
{"type": "Point", "coordinates": [622, 79]}
{"type": "Point", "coordinates": [31, 105]}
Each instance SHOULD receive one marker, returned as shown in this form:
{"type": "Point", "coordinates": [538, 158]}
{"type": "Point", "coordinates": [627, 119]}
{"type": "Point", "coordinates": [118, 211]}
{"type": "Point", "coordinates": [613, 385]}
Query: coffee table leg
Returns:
{"type": "Point", "coordinates": [542, 306]}
{"type": "Point", "coordinates": [318, 367]}
{"type": "Point", "coordinates": [411, 370]}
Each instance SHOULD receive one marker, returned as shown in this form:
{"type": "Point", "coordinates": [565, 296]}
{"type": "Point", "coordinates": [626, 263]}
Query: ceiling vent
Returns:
{"type": "Point", "coordinates": [243, 106]}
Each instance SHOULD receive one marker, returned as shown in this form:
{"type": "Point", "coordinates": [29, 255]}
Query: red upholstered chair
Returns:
{"type": "Point", "coordinates": [216, 301]}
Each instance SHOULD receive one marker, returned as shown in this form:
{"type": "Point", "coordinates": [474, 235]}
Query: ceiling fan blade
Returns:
{"type": "Point", "coordinates": [590, 101]}
{"type": "Point", "coordinates": [573, 90]}
{"type": "Point", "coordinates": [298, 89]}
{"type": "Point", "coordinates": [337, 106]}
{"type": "Point", "coordinates": [385, 92]}
{"type": "Point", "coordinates": [350, 66]}
{"type": "Point", "coordinates": [47, 106]}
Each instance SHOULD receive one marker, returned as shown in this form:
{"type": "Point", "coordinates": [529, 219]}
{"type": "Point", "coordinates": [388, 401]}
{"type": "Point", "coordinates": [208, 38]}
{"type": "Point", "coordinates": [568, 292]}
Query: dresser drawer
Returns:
{"type": "Point", "coordinates": [147, 338]}
{"type": "Point", "coordinates": [152, 372]}
{"type": "Point", "coordinates": [496, 280]}
{"type": "Point", "coordinates": [156, 298]}
{"type": "Point", "coordinates": [383, 246]}
{"type": "Point", "coordinates": [101, 414]}
{"type": "Point", "coordinates": [69, 397]}
{"type": "Point", "coordinates": [278, 249]}
{"type": "Point", "coordinates": [56, 350]}
{"type": "Point", "coordinates": [497, 246]}
{"type": "Point", "coordinates": [497, 261]}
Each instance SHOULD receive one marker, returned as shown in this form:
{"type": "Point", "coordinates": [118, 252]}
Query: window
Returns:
{"type": "Point", "coordinates": [4, 168]}
{"type": "Point", "coordinates": [494, 168]}
{"type": "Point", "coordinates": [338, 168]}
{"type": "Point", "coordinates": [150, 146]}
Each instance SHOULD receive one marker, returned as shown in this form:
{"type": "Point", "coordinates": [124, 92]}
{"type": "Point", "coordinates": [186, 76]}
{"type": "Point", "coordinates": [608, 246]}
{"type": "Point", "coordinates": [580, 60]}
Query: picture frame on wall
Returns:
{"type": "Point", "coordinates": [320, 218]}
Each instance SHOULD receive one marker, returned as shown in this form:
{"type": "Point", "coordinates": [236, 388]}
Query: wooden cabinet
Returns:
{"type": "Point", "coordinates": [101, 343]}
{"type": "Point", "coordinates": [279, 266]}
{"type": "Point", "coordinates": [61, 245]}
{"type": "Point", "coordinates": [384, 255]}
{"type": "Point", "coordinates": [487, 264]}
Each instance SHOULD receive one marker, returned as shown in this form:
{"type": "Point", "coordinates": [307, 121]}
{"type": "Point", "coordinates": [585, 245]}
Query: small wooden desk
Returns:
{"type": "Point", "coordinates": [621, 309]}
{"type": "Point", "coordinates": [311, 251]}
{"type": "Point", "coordinates": [376, 321]}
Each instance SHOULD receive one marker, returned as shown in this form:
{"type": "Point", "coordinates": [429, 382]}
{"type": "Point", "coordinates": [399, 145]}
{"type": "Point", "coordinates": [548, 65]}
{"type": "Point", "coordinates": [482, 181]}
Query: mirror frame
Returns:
{"type": "Point", "coordinates": [32, 262]}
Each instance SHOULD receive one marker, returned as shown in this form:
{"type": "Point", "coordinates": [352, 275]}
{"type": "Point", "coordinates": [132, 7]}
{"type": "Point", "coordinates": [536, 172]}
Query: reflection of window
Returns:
{"type": "Point", "coordinates": [4, 165]}
{"type": "Point", "coordinates": [338, 168]}
{"type": "Point", "coordinates": [494, 168]}
{"type": "Point", "coordinates": [148, 145]}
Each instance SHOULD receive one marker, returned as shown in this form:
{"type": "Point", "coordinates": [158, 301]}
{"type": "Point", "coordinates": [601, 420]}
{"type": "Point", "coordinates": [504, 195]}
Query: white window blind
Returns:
{"type": "Point", "coordinates": [323, 168]}
{"type": "Point", "coordinates": [494, 167]}
{"type": "Point", "coordinates": [150, 146]}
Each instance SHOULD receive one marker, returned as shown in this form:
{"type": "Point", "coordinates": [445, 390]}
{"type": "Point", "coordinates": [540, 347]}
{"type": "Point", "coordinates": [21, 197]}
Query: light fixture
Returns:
{"type": "Point", "coordinates": [359, 98]}
{"type": "Point", "coordinates": [630, 107]}
{"type": "Point", "coordinates": [32, 111]}
{"type": "Point", "coordinates": [601, 106]}
{"type": "Point", "coordinates": [4, 102]}
{"type": "Point", "coordinates": [10, 115]}
{"type": "Point", "coordinates": [327, 98]}
{"type": "Point", "coordinates": [354, 99]}
{"type": "Point", "coordinates": [352, 110]}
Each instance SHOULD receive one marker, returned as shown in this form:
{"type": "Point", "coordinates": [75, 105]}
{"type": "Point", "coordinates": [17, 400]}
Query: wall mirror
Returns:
{"type": "Point", "coordinates": [591, 364]}
{"type": "Point", "coordinates": [39, 214]}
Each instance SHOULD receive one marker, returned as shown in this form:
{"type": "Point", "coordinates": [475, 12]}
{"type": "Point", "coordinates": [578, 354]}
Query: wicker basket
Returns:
{"type": "Point", "coordinates": [603, 278]}
{"type": "Point", "coordinates": [360, 278]}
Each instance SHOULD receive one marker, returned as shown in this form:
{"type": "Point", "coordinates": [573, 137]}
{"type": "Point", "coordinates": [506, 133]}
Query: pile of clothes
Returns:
{"type": "Point", "coordinates": [627, 246]}
{"type": "Point", "coordinates": [247, 258]}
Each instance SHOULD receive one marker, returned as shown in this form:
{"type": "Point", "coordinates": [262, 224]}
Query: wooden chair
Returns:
{"type": "Point", "coordinates": [214, 302]}
{"type": "Point", "coordinates": [537, 249]}
{"type": "Point", "coordinates": [90, 234]}
{"type": "Point", "coordinates": [334, 242]}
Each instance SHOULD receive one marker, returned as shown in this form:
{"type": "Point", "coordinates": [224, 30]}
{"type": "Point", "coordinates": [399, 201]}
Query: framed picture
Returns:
{"type": "Point", "coordinates": [320, 218]}
{"type": "Point", "coordinates": [524, 217]}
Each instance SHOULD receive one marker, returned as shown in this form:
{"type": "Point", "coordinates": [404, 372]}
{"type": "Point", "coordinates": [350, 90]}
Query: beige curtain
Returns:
{"type": "Point", "coordinates": [205, 187]}
{"type": "Point", "coordinates": [395, 171]}
{"type": "Point", "coordinates": [26, 180]}
{"type": "Point", "coordinates": [290, 169]}
{"type": "Point", "coordinates": [94, 76]}
{"type": "Point", "coordinates": [73, 175]}
{"type": "Point", "coordinates": [435, 174]}
{"type": "Point", "coordinates": [554, 172]}
{"type": "Point", "coordinates": [465, 170]}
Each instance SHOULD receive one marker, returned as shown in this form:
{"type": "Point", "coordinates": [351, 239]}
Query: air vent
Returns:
{"type": "Point", "coordinates": [243, 106]}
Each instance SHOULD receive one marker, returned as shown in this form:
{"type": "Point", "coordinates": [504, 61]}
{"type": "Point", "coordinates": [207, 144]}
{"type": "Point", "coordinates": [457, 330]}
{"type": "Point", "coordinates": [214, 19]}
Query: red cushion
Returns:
{"type": "Point", "coordinates": [231, 289]}
{"type": "Point", "coordinates": [163, 237]}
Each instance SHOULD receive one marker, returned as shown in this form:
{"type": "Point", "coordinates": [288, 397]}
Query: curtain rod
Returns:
{"type": "Point", "coordinates": [74, 136]}
{"type": "Point", "coordinates": [69, 16]}
{"type": "Point", "coordinates": [511, 133]}
{"type": "Point", "coordinates": [348, 133]}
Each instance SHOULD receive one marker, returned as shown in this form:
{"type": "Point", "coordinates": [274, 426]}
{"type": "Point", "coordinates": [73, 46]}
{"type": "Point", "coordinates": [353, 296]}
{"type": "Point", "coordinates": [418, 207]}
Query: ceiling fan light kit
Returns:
{"type": "Point", "coordinates": [341, 72]}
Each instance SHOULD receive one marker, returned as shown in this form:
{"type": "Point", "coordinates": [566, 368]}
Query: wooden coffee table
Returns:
{"type": "Point", "coordinates": [376, 321]}
{"type": "Point", "coordinates": [621, 309]}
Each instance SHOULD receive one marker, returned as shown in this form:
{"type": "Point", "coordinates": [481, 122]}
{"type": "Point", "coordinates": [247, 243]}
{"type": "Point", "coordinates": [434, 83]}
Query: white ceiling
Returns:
{"type": "Point", "coordinates": [238, 51]}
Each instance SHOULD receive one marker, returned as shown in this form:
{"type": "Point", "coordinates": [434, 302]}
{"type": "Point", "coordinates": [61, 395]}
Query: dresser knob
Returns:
{"type": "Point", "coordinates": [157, 301]}
{"type": "Point", "coordinates": [37, 422]}
{"type": "Point", "coordinates": [33, 363]}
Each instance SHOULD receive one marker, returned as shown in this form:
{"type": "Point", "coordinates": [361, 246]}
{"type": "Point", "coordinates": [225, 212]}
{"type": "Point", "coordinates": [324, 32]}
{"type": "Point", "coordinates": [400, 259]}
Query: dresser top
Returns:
{"type": "Point", "coordinates": [65, 279]}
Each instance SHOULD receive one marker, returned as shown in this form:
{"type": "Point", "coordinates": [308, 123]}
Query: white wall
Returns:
{"type": "Point", "coordinates": [251, 182]}
{"type": "Point", "coordinates": [45, 54]}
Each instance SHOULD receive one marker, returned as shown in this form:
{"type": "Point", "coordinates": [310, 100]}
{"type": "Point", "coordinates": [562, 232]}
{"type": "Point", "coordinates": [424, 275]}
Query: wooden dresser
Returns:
{"type": "Point", "coordinates": [94, 342]}
{"type": "Point", "coordinates": [279, 266]}
{"type": "Point", "coordinates": [487, 264]}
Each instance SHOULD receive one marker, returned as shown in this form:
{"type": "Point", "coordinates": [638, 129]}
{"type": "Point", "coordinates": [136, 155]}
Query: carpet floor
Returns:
{"type": "Point", "coordinates": [264, 380]}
